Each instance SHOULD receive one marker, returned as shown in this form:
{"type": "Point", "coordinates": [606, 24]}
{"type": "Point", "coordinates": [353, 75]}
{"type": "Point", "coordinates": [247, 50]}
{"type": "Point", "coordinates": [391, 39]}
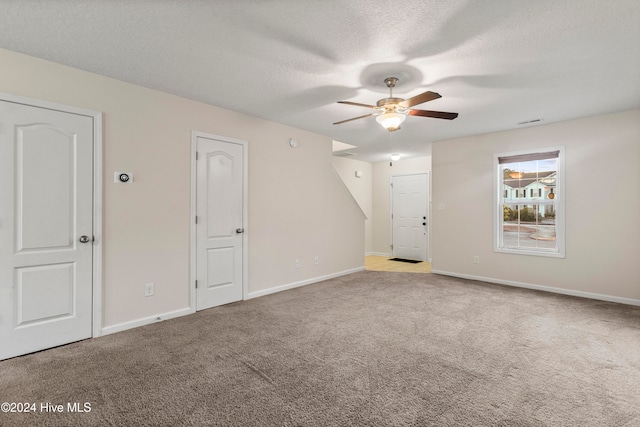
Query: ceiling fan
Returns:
{"type": "Point", "coordinates": [391, 112]}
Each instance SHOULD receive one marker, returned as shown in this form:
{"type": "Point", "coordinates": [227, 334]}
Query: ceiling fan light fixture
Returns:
{"type": "Point", "coordinates": [391, 121]}
{"type": "Point", "coordinates": [395, 157]}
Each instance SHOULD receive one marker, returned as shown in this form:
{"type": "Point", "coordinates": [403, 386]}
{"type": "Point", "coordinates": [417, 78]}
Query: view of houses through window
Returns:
{"type": "Point", "coordinates": [529, 202]}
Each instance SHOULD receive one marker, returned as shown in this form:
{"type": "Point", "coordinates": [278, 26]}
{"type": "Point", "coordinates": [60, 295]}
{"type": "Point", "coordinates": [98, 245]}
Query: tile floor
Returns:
{"type": "Point", "coordinates": [382, 263]}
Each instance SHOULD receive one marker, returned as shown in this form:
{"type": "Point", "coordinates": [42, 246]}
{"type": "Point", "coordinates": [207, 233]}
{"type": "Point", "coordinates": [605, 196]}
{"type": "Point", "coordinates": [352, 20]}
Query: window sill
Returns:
{"type": "Point", "coordinates": [530, 252]}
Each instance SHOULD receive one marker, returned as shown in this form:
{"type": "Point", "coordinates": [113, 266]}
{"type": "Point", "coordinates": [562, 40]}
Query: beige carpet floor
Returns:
{"type": "Point", "coordinates": [368, 349]}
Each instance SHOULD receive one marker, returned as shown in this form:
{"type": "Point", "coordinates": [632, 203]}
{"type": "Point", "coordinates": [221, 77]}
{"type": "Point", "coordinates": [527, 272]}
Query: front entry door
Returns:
{"type": "Point", "coordinates": [46, 228]}
{"type": "Point", "coordinates": [220, 222]}
{"type": "Point", "coordinates": [409, 216]}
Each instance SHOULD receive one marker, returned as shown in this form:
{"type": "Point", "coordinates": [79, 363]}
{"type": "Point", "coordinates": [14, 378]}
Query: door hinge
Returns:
{"type": "Point", "coordinates": [391, 247]}
{"type": "Point", "coordinates": [196, 155]}
{"type": "Point", "coordinates": [196, 284]}
{"type": "Point", "coordinates": [196, 219]}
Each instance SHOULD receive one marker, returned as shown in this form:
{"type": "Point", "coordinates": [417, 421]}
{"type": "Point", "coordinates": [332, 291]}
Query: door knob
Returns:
{"type": "Point", "coordinates": [424, 223]}
{"type": "Point", "coordinates": [84, 239]}
{"type": "Point", "coordinates": [239, 230]}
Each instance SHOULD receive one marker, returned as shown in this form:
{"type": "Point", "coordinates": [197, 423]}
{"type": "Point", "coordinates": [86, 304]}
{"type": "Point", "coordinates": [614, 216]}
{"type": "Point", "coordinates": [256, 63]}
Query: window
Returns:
{"type": "Point", "coordinates": [530, 222]}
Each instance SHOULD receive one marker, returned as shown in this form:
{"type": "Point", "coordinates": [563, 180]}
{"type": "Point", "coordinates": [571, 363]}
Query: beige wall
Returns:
{"type": "Point", "coordinates": [602, 205]}
{"type": "Point", "coordinates": [361, 190]}
{"type": "Point", "coordinates": [298, 208]}
{"type": "Point", "coordinates": [382, 174]}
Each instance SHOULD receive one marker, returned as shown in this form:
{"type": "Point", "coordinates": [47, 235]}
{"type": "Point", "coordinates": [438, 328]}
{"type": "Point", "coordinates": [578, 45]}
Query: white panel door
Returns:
{"type": "Point", "coordinates": [219, 228]}
{"type": "Point", "coordinates": [409, 216]}
{"type": "Point", "coordinates": [46, 182]}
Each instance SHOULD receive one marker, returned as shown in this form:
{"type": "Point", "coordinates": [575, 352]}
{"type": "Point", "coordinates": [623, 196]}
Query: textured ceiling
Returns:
{"type": "Point", "coordinates": [495, 62]}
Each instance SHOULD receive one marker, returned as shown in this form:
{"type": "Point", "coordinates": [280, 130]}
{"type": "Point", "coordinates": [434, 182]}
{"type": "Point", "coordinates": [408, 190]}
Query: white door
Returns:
{"type": "Point", "coordinates": [220, 223]}
{"type": "Point", "coordinates": [409, 216]}
{"type": "Point", "coordinates": [46, 202]}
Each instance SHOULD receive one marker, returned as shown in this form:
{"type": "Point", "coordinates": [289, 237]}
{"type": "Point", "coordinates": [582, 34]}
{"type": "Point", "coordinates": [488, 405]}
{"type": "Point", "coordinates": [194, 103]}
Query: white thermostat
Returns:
{"type": "Point", "coordinates": [122, 177]}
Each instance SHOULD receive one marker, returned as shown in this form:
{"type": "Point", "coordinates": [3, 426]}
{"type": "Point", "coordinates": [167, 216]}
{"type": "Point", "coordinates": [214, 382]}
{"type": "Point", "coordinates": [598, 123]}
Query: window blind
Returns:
{"type": "Point", "coordinates": [529, 157]}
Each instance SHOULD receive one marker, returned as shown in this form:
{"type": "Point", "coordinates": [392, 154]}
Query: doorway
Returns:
{"type": "Point", "coordinates": [50, 225]}
{"type": "Point", "coordinates": [409, 216]}
{"type": "Point", "coordinates": [219, 232]}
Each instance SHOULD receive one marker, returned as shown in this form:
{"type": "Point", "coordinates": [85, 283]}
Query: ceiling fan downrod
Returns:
{"type": "Point", "coordinates": [391, 83]}
{"type": "Point", "coordinates": [389, 104]}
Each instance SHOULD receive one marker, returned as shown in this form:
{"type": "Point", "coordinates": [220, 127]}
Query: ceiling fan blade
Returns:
{"type": "Point", "coordinates": [419, 99]}
{"type": "Point", "coordinates": [434, 114]}
{"type": "Point", "coordinates": [356, 104]}
{"type": "Point", "coordinates": [355, 118]}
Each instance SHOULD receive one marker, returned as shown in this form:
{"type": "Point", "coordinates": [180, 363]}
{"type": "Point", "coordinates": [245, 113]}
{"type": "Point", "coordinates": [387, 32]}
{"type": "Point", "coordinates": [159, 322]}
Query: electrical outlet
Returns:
{"type": "Point", "coordinates": [149, 289]}
{"type": "Point", "coordinates": [297, 263]}
{"type": "Point", "coordinates": [476, 259]}
{"type": "Point", "coordinates": [317, 260]}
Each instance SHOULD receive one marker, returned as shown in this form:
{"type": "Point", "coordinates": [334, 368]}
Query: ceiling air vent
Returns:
{"type": "Point", "coordinates": [528, 122]}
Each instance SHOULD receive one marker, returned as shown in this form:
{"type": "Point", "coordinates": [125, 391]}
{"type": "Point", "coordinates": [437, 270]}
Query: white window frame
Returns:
{"type": "Point", "coordinates": [560, 203]}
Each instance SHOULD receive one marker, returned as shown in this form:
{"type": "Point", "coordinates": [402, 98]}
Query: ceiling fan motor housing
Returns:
{"type": "Point", "coordinates": [389, 102]}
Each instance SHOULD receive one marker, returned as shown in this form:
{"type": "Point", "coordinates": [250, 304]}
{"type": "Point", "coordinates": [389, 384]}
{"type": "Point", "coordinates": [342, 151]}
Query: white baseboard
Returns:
{"type": "Point", "coordinates": [188, 310]}
{"type": "Point", "coordinates": [281, 288]}
{"type": "Point", "coordinates": [146, 321]}
{"type": "Point", "coordinates": [601, 297]}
